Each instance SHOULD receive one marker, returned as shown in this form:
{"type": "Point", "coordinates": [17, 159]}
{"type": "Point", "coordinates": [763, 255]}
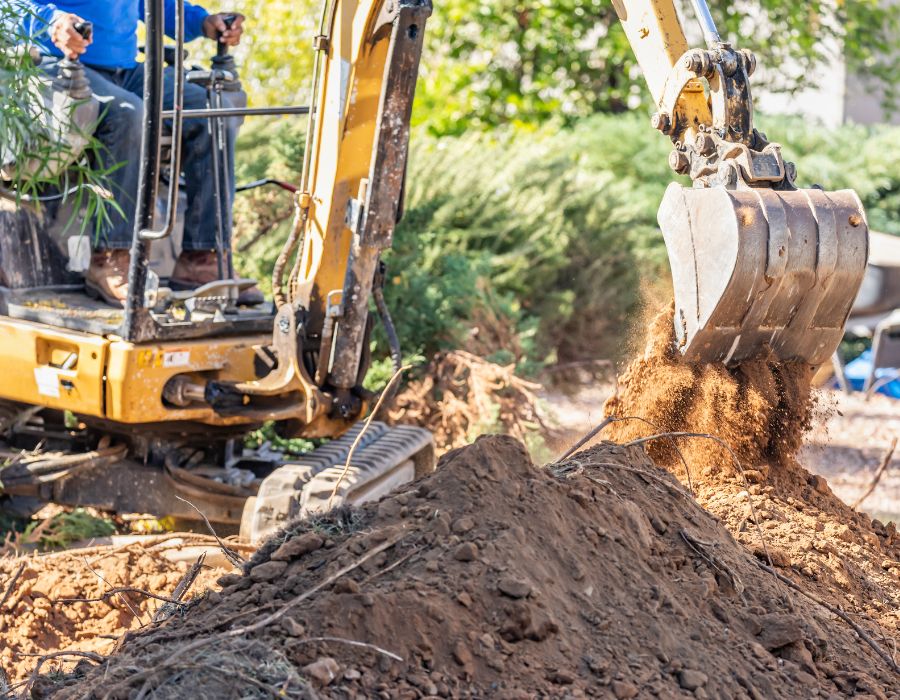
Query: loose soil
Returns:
{"type": "Point", "coordinates": [597, 577]}
{"type": "Point", "coordinates": [760, 409]}
{"type": "Point", "coordinates": [34, 621]}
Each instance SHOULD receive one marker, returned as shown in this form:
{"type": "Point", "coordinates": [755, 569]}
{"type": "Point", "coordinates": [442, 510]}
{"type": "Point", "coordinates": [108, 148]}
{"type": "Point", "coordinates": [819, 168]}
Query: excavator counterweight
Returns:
{"type": "Point", "coordinates": [760, 268]}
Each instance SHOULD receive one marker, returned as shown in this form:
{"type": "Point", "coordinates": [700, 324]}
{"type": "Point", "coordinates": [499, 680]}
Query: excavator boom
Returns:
{"type": "Point", "coordinates": [760, 268]}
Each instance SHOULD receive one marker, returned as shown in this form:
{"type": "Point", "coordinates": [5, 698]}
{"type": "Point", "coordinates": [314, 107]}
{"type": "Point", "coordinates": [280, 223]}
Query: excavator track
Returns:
{"type": "Point", "coordinates": [383, 458]}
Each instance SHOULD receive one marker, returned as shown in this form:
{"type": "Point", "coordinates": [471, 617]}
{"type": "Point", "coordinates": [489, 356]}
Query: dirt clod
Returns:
{"type": "Point", "coordinates": [514, 588]}
{"type": "Point", "coordinates": [323, 671]}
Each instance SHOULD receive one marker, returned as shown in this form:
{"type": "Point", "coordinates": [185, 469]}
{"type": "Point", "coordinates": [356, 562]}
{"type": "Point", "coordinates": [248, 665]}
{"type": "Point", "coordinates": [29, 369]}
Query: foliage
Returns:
{"type": "Point", "coordinates": [68, 527]}
{"type": "Point", "coordinates": [23, 119]}
{"type": "Point", "coordinates": [275, 57]}
{"type": "Point", "coordinates": [493, 62]}
{"type": "Point", "coordinates": [267, 436]}
{"type": "Point", "coordinates": [509, 61]}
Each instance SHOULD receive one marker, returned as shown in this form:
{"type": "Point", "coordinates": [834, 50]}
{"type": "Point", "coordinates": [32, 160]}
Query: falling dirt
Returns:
{"type": "Point", "coordinates": [760, 409]}
{"type": "Point", "coordinates": [35, 617]}
{"type": "Point", "coordinates": [597, 577]}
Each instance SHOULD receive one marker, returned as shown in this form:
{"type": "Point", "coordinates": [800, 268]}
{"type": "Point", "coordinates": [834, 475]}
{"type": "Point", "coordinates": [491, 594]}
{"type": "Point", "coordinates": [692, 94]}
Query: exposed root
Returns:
{"type": "Point", "coordinates": [462, 395]}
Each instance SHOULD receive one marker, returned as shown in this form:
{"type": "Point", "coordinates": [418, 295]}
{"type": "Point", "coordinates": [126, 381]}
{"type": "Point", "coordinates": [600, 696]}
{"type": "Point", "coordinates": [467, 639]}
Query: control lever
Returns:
{"type": "Point", "coordinates": [86, 29]}
{"type": "Point", "coordinates": [222, 49]}
{"type": "Point", "coordinates": [71, 77]}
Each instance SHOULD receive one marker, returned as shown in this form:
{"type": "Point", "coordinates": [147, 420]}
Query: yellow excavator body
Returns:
{"type": "Point", "coordinates": [114, 380]}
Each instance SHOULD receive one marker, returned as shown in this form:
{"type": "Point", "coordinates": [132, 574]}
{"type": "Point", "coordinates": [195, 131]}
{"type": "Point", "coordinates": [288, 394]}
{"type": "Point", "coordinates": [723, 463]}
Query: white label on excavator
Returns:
{"type": "Point", "coordinates": [345, 79]}
{"type": "Point", "coordinates": [79, 253]}
{"type": "Point", "coordinates": [337, 93]}
{"type": "Point", "coordinates": [179, 358]}
{"type": "Point", "coordinates": [47, 380]}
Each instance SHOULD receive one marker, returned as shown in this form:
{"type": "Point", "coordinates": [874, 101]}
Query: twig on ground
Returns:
{"type": "Point", "coordinates": [12, 585]}
{"type": "Point", "coordinates": [885, 461]}
{"type": "Point", "coordinates": [835, 611]}
{"type": "Point", "coordinates": [351, 642]}
{"type": "Point", "coordinates": [385, 392]}
{"type": "Point", "coordinates": [613, 419]}
{"type": "Point", "coordinates": [593, 432]}
{"type": "Point", "coordinates": [184, 585]}
{"type": "Point", "coordinates": [734, 459]}
{"type": "Point", "coordinates": [118, 592]}
{"type": "Point", "coordinates": [648, 475]}
{"type": "Point", "coordinates": [702, 548]}
{"type": "Point", "coordinates": [684, 434]}
{"type": "Point", "coordinates": [236, 559]}
{"type": "Point", "coordinates": [397, 563]}
{"type": "Point", "coordinates": [43, 658]}
{"type": "Point", "coordinates": [672, 441]}
{"type": "Point", "coordinates": [272, 617]}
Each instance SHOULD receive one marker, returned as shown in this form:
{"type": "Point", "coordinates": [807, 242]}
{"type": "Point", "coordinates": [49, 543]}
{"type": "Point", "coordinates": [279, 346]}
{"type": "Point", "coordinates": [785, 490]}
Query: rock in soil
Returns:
{"type": "Point", "coordinates": [606, 600]}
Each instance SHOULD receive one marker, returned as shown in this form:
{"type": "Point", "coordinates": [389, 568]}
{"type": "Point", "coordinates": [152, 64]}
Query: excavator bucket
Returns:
{"type": "Point", "coordinates": [761, 272]}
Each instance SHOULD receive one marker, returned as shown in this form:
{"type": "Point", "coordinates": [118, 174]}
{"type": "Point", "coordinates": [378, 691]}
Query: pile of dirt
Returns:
{"type": "Point", "coordinates": [760, 409]}
{"type": "Point", "coordinates": [597, 577]}
{"type": "Point", "coordinates": [768, 500]}
{"type": "Point", "coordinates": [34, 619]}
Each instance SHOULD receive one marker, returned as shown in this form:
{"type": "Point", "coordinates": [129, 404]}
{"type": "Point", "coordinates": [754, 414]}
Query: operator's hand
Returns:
{"type": "Point", "coordinates": [66, 39]}
{"type": "Point", "coordinates": [214, 28]}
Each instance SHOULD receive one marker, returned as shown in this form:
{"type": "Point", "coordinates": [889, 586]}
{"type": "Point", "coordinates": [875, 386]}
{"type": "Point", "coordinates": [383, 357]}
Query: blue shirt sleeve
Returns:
{"type": "Point", "coordinates": [35, 16]}
{"type": "Point", "coordinates": [193, 19]}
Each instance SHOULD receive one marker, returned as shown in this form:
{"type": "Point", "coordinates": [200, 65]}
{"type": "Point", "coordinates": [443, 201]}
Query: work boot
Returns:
{"type": "Point", "coordinates": [194, 268]}
{"type": "Point", "coordinates": [107, 276]}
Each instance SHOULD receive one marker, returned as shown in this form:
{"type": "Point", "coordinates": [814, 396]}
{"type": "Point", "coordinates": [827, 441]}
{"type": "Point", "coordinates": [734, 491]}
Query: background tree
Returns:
{"type": "Point", "coordinates": [526, 62]}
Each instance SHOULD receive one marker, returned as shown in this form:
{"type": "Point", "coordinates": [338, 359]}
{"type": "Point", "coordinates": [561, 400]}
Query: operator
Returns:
{"type": "Point", "coordinates": [117, 80]}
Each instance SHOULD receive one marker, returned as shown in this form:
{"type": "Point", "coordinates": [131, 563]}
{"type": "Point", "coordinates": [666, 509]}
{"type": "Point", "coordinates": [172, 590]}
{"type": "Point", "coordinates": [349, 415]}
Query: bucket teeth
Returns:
{"type": "Point", "coordinates": [763, 273]}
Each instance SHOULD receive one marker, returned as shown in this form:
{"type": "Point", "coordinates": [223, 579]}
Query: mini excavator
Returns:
{"type": "Point", "coordinates": [162, 392]}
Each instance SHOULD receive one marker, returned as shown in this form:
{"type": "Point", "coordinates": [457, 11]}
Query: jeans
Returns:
{"type": "Point", "coordinates": [120, 128]}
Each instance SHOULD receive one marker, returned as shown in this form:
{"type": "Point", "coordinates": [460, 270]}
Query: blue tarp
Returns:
{"type": "Point", "coordinates": [857, 371]}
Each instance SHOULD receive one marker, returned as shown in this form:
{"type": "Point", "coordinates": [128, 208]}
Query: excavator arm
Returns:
{"type": "Point", "coordinates": [348, 204]}
{"type": "Point", "coordinates": [760, 268]}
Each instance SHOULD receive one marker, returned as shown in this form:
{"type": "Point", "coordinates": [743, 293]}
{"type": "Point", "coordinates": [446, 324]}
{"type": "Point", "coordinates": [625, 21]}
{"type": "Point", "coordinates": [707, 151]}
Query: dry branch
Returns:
{"type": "Point", "coordinates": [886, 460]}
{"type": "Point", "coordinates": [272, 617]}
{"type": "Point", "coordinates": [12, 585]}
{"type": "Point", "coordinates": [90, 655]}
{"type": "Point", "coordinates": [887, 658]}
{"type": "Point", "coordinates": [236, 559]}
{"type": "Point", "coordinates": [125, 600]}
{"type": "Point", "coordinates": [117, 592]}
{"type": "Point", "coordinates": [351, 642]}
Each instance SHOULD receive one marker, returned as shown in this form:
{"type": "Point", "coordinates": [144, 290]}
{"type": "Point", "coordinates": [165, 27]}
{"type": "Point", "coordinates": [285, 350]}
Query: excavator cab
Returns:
{"type": "Point", "coordinates": [760, 267]}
